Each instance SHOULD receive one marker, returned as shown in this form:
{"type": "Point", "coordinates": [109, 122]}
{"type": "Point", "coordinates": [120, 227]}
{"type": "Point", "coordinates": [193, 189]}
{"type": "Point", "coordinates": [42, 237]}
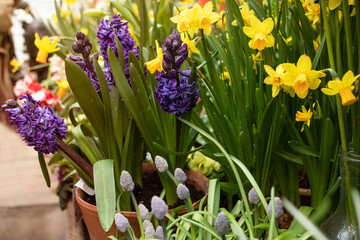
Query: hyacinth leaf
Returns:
{"type": "Point", "coordinates": [144, 28]}
{"type": "Point", "coordinates": [87, 97]}
{"type": "Point", "coordinates": [170, 152]}
{"type": "Point", "coordinates": [213, 199]}
{"type": "Point", "coordinates": [289, 156]}
{"type": "Point", "coordinates": [105, 193]}
{"type": "Point", "coordinates": [87, 143]}
{"type": "Point", "coordinates": [44, 169]}
{"type": "Point", "coordinates": [303, 149]}
{"type": "Point", "coordinates": [303, 220]}
{"type": "Point", "coordinates": [72, 115]}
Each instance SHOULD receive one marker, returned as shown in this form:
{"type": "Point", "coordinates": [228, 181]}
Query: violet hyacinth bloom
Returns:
{"type": "Point", "coordinates": [107, 30]}
{"type": "Point", "coordinates": [37, 126]}
{"type": "Point", "coordinates": [174, 91]}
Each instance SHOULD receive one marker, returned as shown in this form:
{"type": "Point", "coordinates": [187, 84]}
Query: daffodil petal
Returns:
{"type": "Point", "coordinates": [348, 78]}
{"type": "Point", "coordinates": [267, 25]}
{"type": "Point", "coordinates": [255, 22]}
{"type": "Point", "coordinates": [275, 90]}
{"type": "Point", "coordinates": [335, 85]}
{"type": "Point", "coordinates": [269, 70]}
{"type": "Point", "coordinates": [271, 40]}
{"type": "Point", "coordinates": [208, 7]}
{"type": "Point", "coordinates": [334, 4]}
{"type": "Point", "coordinates": [249, 31]}
{"type": "Point", "coordinates": [304, 63]}
{"type": "Point", "coordinates": [314, 84]}
{"type": "Point", "coordinates": [328, 91]}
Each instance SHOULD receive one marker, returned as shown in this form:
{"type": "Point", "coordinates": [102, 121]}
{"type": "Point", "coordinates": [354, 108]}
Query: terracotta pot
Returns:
{"type": "Point", "coordinates": [90, 214]}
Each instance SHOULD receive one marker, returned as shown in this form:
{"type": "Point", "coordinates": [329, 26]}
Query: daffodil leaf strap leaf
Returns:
{"type": "Point", "coordinates": [44, 169]}
{"type": "Point", "coordinates": [303, 149]}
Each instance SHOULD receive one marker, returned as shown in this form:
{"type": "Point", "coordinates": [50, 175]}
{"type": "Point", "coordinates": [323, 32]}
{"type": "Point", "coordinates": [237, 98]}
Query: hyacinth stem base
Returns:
{"type": "Point", "coordinates": [133, 199]}
{"type": "Point", "coordinates": [163, 225]}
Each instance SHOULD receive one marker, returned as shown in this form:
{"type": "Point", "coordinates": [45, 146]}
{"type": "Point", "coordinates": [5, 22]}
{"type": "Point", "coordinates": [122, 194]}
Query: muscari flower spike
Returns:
{"type": "Point", "coordinates": [126, 181]}
{"type": "Point", "coordinates": [159, 207]}
{"type": "Point", "coordinates": [144, 212]}
{"type": "Point", "coordinates": [147, 224]}
{"type": "Point", "coordinates": [37, 126]}
{"type": "Point", "coordinates": [149, 232]}
{"type": "Point", "coordinates": [174, 92]}
{"type": "Point", "coordinates": [278, 207]}
{"type": "Point", "coordinates": [121, 222]}
{"type": "Point", "coordinates": [222, 224]}
{"type": "Point", "coordinates": [161, 164]}
{"type": "Point", "coordinates": [182, 191]}
{"type": "Point", "coordinates": [253, 197]}
{"type": "Point", "coordinates": [180, 175]}
{"type": "Point", "coordinates": [159, 233]}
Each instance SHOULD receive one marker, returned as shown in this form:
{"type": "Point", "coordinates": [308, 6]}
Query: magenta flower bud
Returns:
{"type": "Point", "coordinates": [180, 175]}
{"type": "Point", "coordinates": [121, 222]}
{"type": "Point", "coordinates": [159, 207]}
{"type": "Point", "coordinates": [126, 181]}
{"type": "Point", "coordinates": [278, 207]}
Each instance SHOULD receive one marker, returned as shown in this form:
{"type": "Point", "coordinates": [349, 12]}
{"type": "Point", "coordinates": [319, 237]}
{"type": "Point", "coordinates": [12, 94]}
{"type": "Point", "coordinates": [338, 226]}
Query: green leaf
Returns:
{"type": "Point", "coordinates": [44, 169]}
{"type": "Point", "coordinates": [289, 156]}
{"type": "Point", "coordinates": [306, 211]}
{"type": "Point", "coordinates": [87, 97]}
{"type": "Point", "coordinates": [303, 149]}
{"type": "Point", "coordinates": [229, 187]}
{"type": "Point", "coordinates": [105, 192]}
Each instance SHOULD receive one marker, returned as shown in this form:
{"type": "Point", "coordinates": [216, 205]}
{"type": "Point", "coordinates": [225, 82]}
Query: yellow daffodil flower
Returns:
{"type": "Point", "coordinates": [206, 16]}
{"type": "Point", "coordinates": [16, 65]}
{"type": "Point", "coordinates": [333, 4]}
{"type": "Point", "coordinates": [343, 87]}
{"type": "Point", "coordinates": [45, 47]}
{"type": "Point", "coordinates": [313, 12]}
{"type": "Point", "coordinates": [156, 64]}
{"type": "Point", "coordinates": [183, 20]}
{"type": "Point", "coordinates": [84, 30]}
{"type": "Point", "coordinates": [304, 116]}
{"type": "Point", "coordinates": [246, 13]}
{"type": "Point", "coordinates": [69, 2]}
{"type": "Point", "coordinates": [225, 75]}
{"type": "Point", "coordinates": [190, 44]}
{"type": "Point", "coordinates": [300, 76]}
{"type": "Point", "coordinates": [275, 78]}
{"type": "Point", "coordinates": [255, 58]}
{"type": "Point", "coordinates": [63, 87]}
{"type": "Point", "coordinates": [260, 33]}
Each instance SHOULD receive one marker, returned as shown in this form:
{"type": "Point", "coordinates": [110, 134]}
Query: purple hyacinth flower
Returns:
{"type": "Point", "coordinates": [107, 30]}
{"type": "Point", "coordinates": [37, 126]}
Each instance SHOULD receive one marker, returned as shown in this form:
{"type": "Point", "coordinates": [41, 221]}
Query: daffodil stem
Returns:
{"type": "Point", "coordinates": [328, 35]}
{"type": "Point", "coordinates": [348, 37]}
{"type": "Point", "coordinates": [338, 45]}
{"type": "Point", "coordinates": [357, 6]}
{"type": "Point", "coordinates": [344, 143]}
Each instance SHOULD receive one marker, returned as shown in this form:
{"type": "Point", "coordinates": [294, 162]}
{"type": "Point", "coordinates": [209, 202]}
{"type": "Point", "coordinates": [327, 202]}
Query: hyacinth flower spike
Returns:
{"type": "Point", "coordinates": [122, 224]}
{"type": "Point", "coordinates": [42, 129]}
{"type": "Point", "coordinates": [159, 208]}
{"type": "Point", "coordinates": [222, 224]}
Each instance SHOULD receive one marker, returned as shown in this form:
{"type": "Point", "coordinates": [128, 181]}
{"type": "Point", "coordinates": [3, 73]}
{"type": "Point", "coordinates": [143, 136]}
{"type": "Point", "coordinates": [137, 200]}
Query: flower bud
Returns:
{"type": "Point", "coordinates": [147, 224]}
{"type": "Point", "coordinates": [159, 234]}
{"type": "Point", "coordinates": [159, 207]}
{"type": "Point", "coordinates": [253, 196]}
{"type": "Point", "coordinates": [182, 191]}
{"type": "Point", "coordinates": [180, 175]}
{"type": "Point", "coordinates": [278, 207]}
{"type": "Point", "coordinates": [222, 224]}
{"type": "Point", "coordinates": [126, 182]}
{"type": "Point", "coordinates": [149, 232]}
{"type": "Point", "coordinates": [121, 222]}
{"type": "Point", "coordinates": [144, 212]}
{"type": "Point", "coordinates": [161, 164]}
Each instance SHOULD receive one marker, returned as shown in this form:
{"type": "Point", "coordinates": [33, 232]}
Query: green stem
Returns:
{"type": "Point", "coordinates": [344, 142]}
{"type": "Point", "coordinates": [178, 139]}
{"type": "Point", "coordinates": [163, 225]}
{"type": "Point", "coordinates": [338, 46]}
{"type": "Point", "coordinates": [137, 214]}
{"type": "Point", "coordinates": [348, 37]}
{"type": "Point", "coordinates": [188, 204]}
{"type": "Point", "coordinates": [328, 35]}
{"type": "Point", "coordinates": [128, 235]}
{"type": "Point", "coordinates": [357, 6]}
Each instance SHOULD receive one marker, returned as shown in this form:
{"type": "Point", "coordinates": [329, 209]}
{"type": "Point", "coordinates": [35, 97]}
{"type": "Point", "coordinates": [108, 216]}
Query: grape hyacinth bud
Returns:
{"type": "Point", "coordinates": [253, 197]}
{"type": "Point", "coordinates": [278, 207]}
{"type": "Point", "coordinates": [126, 181]}
{"type": "Point", "coordinates": [121, 222]}
{"type": "Point", "coordinates": [180, 175]}
{"type": "Point", "coordinates": [144, 212]}
{"type": "Point", "coordinates": [222, 224]}
{"type": "Point", "coordinates": [159, 234]}
{"type": "Point", "coordinates": [161, 164]}
{"type": "Point", "coordinates": [38, 127]}
{"type": "Point", "coordinates": [159, 207]}
{"type": "Point", "coordinates": [149, 232]}
{"type": "Point", "coordinates": [147, 224]}
{"type": "Point", "coordinates": [182, 191]}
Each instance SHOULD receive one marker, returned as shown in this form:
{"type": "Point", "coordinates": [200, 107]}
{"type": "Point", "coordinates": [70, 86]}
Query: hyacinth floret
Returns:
{"type": "Point", "coordinates": [278, 207]}
{"type": "Point", "coordinates": [253, 196]}
{"type": "Point", "coordinates": [159, 233]}
{"type": "Point", "coordinates": [147, 224]}
{"type": "Point", "coordinates": [161, 164]}
{"type": "Point", "coordinates": [180, 175]}
{"type": "Point", "coordinates": [222, 224]}
{"type": "Point", "coordinates": [144, 212]}
{"type": "Point", "coordinates": [175, 93]}
{"type": "Point", "coordinates": [159, 207]}
{"type": "Point", "coordinates": [37, 126]}
{"type": "Point", "coordinates": [126, 182]}
{"type": "Point", "coordinates": [149, 232]}
{"type": "Point", "coordinates": [182, 191]}
{"type": "Point", "coordinates": [107, 30]}
{"type": "Point", "coordinates": [121, 222]}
